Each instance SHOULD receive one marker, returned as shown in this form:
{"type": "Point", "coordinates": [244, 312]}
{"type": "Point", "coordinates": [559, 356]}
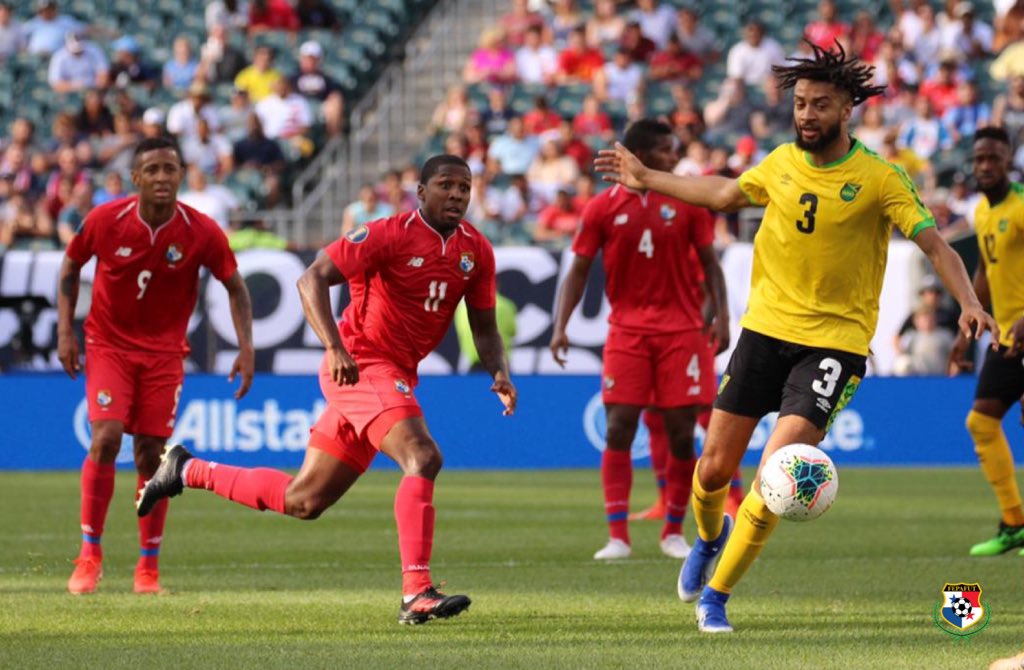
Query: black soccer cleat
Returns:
{"type": "Point", "coordinates": [431, 604]}
{"type": "Point", "coordinates": [166, 481]}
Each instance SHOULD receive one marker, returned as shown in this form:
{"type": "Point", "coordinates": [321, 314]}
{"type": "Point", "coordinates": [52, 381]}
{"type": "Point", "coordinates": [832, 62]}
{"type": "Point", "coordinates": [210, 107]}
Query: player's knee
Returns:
{"type": "Point", "coordinates": [306, 506]}
{"type": "Point", "coordinates": [619, 433]}
{"type": "Point", "coordinates": [714, 472]}
{"type": "Point", "coordinates": [982, 428]}
{"type": "Point", "coordinates": [423, 459]}
{"type": "Point", "coordinates": [105, 447]}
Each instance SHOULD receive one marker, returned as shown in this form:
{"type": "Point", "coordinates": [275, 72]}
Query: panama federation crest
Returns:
{"type": "Point", "coordinates": [174, 253]}
{"type": "Point", "coordinates": [104, 398]}
{"type": "Point", "coordinates": [357, 235]}
{"type": "Point", "coordinates": [961, 613]}
{"type": "Point", "coordinates": [668, 212]}
{"type": "Point", "coordinates": [402, 386]}
{"type": "Point", "coordinates": [466, 262]}
{"type": "Point", "coordinates": [849, 191]}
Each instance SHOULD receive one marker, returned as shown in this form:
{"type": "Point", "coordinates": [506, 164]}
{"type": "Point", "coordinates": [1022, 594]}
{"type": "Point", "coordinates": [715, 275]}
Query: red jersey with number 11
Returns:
{"type": "Point", "coordinates": [648, 242]}
{"type": "Point", "coordinates": [406, 281]}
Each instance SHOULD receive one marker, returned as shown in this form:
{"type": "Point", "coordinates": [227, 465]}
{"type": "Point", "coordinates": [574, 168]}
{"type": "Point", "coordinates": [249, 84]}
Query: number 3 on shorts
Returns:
{"type": "Point", "coordinates": [827, 384]}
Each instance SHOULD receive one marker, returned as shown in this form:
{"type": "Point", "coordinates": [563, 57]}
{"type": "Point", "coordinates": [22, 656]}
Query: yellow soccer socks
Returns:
{"type": "Point", "coordinates": [708, 508]}
{"type": "Point", "coordinates": [997, 464]}
{"type": "Point", "coordinates": [754, 525]}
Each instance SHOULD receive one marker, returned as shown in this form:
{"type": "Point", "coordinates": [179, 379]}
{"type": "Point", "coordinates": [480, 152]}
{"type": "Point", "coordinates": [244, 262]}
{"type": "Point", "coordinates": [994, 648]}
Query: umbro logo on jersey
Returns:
{"type": "Point", "coordinates": [415, 262]}
{"type": "Point", "coordinates": [824, 405]}
{"type": "Point", "coordinates": [785, 178]}
{"type": "Point", "coordinates": [123, 252]}
{"type": "Point", "coordinates": [621, 219]}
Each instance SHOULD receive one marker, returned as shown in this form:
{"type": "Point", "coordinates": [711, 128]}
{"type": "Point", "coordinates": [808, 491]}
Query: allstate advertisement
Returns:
{"type": "Point", "coordinates": [560, 422]}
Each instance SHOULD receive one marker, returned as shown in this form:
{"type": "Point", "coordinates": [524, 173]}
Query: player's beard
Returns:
{"type": "Point", "coordinates": [826, 136]}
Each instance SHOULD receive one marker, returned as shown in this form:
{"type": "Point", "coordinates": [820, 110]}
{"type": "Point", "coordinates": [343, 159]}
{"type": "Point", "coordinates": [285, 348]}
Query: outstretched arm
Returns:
{"type": "Point", "coordinates": [570, 295]}
{"type": "Point", "coordinates": [484, 325]}
{"type": "Point", "coordinates": [241, 315]}
{"type": "Point", "coordinates": [974, 320]}
{"type": "Point", "coordinates": [718, 193]}
{"type": "Point", "coordinates": [67, 298]}
{"type": "Point", "coordinates": [714, 279]}
{"type": "Point", "coordinates": [314, 290]}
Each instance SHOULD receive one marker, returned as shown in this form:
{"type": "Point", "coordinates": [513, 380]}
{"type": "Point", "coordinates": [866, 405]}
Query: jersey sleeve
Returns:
{"type": "Point", "coordinates": [902, 206]}
{"type": "Point", "coordinates": [754, 182]}
{"type": "Point", "coordinates": [480, 293]}
{"type": "Point", "coordinates": [361, 249]}
{"type": "Point", "coordinates": [82, 246]}
{"type": "Point", "coordinates": [589, 236]}
{"type": "Point", "coordinates": [219, 256]}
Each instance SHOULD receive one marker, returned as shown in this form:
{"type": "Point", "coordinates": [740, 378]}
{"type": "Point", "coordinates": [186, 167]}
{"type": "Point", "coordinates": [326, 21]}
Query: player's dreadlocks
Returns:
{"type": "Point", "coordinates": [849, 74]}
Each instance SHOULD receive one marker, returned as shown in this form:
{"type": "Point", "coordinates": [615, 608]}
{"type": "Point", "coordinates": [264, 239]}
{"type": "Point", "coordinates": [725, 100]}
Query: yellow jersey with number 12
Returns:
{"type": "Point", "coordinates": [1000, 229]}
{"type": "Point", "coordinates": [819, 255]}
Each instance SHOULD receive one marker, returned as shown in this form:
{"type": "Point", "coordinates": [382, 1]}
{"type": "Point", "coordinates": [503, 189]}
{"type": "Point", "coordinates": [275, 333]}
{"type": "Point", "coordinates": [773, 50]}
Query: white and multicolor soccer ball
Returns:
{"type": "Point", "coordinates": [799, 482]}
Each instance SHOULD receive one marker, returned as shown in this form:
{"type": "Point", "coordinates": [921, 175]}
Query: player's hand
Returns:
{"type": "Point", "coordinates": [974, 321]}
{"type": "Point", "coordinates": [68, 354]}
{"type": "Point", "coordinates": [718, 331]}
{"type": "Point", "coordinates": [621, 166]}
{"type": "Point", "coordinates": [1016, 339]}
{"type": "Point", "coordinates": [344, 369]}
{"type": "Point", "coordinates": [560, 348]}
{"type": "Point", "coordinates": [244, 367]}
{"type": "Point", "coordinates": [958, 361]}
{"type": "Point", "coordinates": [506, 393]}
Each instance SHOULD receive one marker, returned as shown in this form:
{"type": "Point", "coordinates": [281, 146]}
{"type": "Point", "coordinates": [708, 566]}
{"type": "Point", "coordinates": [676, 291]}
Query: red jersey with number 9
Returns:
{"type": "Point", "coordinates": [406, 281]}
{"type": "Point", "coordinates": [649, 244]}
{"type": "Point", "coordinates": [147, 280]}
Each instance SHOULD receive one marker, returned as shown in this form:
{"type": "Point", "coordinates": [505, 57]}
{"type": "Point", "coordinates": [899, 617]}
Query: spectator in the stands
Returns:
{"type": "Point", "coordinates": [498, 113]}
{"type": "Point", "coordinates": [686, 117]}
{"type": "Point", "coordinates": [267, 15]}
{"type": "Point", "coordinates": [492, 61]}
{"type": "Point", "coordinates": [125, 103]}
{"type": "Point", "coordinates": [21, 132]}
{"type": "Point", "coordinates": [214, 200]}
{"type": "Point", "coordinates": [585, 191]}
{"type": "Point", "coordinates": [928, 45]}
{"type": "Point", "coordinates": [518, 20]}
{"type": "Point", "coordinates": [46, 32]}
{"type": "Point", "coordinates": [94, 118]}
{"type": "Point", "coordinates": [574, 147]}
{"type": "Point", "coordinates": [925, 134]}
{"type": "Point", "coordinates": [751, 59]}
{"type": "Point", "coordinates": [231, 14]}
{"type": "Point", "coordinates": [592, 121]}
{"type": "Point", "coordinates": [258, 79]}
{"type": "Point", "coordinates": [674, 64]}
{"type": "Point", "coordinates": [541, 119]}
{"type": "Point", "coordinates": [729, 113]}
{"type": "Point", "coordinates": [77, 65]}
{"type": "Point", "coordinates": [476, 147]}
{"type": "Point", "coordinates": [746, 155]}
{"type": "Point", "coordinates": [941, 89]}
{"type": "Point", "coordinates": [74, 212]}
{"type": "Point", "coordinates": [63, 132]}
{"type": "Point", "coordinates": [183, 117]}
{"type": "Point", "coordinates": [25, 226]}
{"type": "Point", "coordinates": [68, 173]}
{"type": "Point", "coordinates": [453, 113]}
{"type": "Point", "coordinates": [578, 63]}
{"type": "Point", "coordinates": [606, 24]}
{"type": "Point", "coordinates": [918, 169]}
{"type": "Point", "coordinates": [12, 36]}
{"type": "Point", "coordinates": [696, 162]}
{"type": "Point", "coordinates": [565, 18]}
{"type": "Point", "coordinates": [129, 67]}
{"type": "Point", "coordinates": [968, 114]}
{"type": "Point", "coordinates": [367, 208]}
{"type": "Point", "coordinates": [774, 115]}
{"type": "Point", "coordinates": [180, 71]}
{"type": "Point", "coordinates": [16, 171]}
{"type": "Point", "coordinates": [657, 20]}
{"type": "Point", "coordinates": [620, 80]}
{"type": "Point", "coordinates": [536, 62]}
{"type": "Point", "coordinates": [871, 130]}
{"type": "Point", "coordinates": [391, 192]}
{"type": "Point", "coordinates": [317, 14]}
{"type": "Point", "coordinates": [551, 170]}
{"type": "Point", "coordinates": [515, 150]}
{"type": "Point", "coordinates": [894, 67]}
{"type": "Point", "coordinates": [112, 189]}
{"type": "Point", "coordinates": [865, 37]}
{"type": "Point", "coordinates": [210, 152]}
{"type": "Point", "coordinates": [557, 223]}
{"type": "Point", "coordinates": [313, 83]}
{"type": "Point", "coordinates": [828, 29]}
{"type": "Point", "coordinates": [971, 38]}
{"type": "Point", "coordinates": [256, 151]}
{"type": "Point", "coordinates": [286, 115]}
{"type": "Point", "coordinates": [219, 61]}
{"type": "Point", "coordinates": [639, 47]}
{"type": "Point", "coordinates": [154, 123]}
{"type": "Point", "coordinates": [234, 116]}
{"type": "Point", "coordinates": [695, 37]}
{"type": "Point", "coordinates": [255, 234]}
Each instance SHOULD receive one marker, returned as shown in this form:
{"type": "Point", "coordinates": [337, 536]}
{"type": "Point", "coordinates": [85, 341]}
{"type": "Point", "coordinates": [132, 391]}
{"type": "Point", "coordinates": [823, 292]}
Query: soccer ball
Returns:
{"type": "Point", "coordinates": [962, 607]}
{"type": "Point", "coordinates": [799, 482]}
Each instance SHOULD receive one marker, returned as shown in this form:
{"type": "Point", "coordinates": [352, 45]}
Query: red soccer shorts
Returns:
{"type": "Point", "coordinates": [139, 390]}
{"type": "Point", "coordinates": [663, 370]}
{"type": "Point", "coordinates": [358, 417]}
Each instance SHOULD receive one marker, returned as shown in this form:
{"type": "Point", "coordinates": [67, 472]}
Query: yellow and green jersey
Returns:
{"type": "Point", "coordinates": [819, 256]}
{"type": "Point", "coordinates": [1000, 229]}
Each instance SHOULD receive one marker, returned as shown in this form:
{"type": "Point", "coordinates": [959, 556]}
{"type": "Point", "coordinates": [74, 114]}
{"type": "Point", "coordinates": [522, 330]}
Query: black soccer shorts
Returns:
{"type": "Point", "coordinates": [766, 374]}
{"type": "Point", "coordinates": [1001, 377]}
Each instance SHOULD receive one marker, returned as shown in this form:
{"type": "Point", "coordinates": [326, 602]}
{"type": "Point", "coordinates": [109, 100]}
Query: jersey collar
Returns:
{"type": "Point", "coordinates": [855, 145]}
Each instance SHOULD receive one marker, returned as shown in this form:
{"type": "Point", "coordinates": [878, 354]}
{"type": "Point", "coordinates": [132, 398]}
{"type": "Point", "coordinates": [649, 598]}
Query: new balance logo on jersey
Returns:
{"type": "Point", "coordinates": [621, 219]}
{"type": "Point", "coordinates": [415, 262]}
{"type": "Point", "coordinates": [123, 252]}
{"type": "Point", "coordinates": [693, 390]}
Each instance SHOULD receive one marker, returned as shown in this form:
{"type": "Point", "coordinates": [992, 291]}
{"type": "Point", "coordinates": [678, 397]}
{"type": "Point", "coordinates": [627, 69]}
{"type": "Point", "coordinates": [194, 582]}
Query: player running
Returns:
{"type": "Point", "coordinates": [407, 274]}
{"type": "Point", "coordinates": [149, 251]}
{"type": "Point", "coordinates": [657, 344]}
{"type": "Point", "coordinates": [999, 281]}
{"type": "Point", "coordinates": [819, 260]}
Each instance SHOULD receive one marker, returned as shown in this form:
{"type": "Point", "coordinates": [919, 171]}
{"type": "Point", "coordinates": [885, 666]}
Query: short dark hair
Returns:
{"type": "Point", "coordinates": [435, 163]}
{"type": "Point", "coordinates": [644, 135]}
{"type": "Point", "coordinates": [847, 74]}
{"type": "Point", "coordinates": [155, 143]}
{"type": "Point", "coordinates": [992, 133]}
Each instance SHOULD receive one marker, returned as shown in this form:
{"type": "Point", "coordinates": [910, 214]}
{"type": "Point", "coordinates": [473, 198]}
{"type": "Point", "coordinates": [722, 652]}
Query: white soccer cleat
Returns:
{"type": "Point", "coordinates": [615, 549]}
{"type": "Point", "coordinates": [675, 546]}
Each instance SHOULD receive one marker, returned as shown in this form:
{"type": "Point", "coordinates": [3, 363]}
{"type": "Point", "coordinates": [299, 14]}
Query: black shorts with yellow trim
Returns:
{"type": "Point", "coordinates": [766, 374]}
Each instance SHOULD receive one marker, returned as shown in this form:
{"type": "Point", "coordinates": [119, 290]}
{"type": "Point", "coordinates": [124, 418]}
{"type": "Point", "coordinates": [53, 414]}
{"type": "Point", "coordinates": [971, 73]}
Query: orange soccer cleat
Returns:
{"type": "Point", "coordinates": [88, 572]}
{"type": "Point", "coordinates": [655, 512]}
{"type": "Point", "coordinates": [147, 581]}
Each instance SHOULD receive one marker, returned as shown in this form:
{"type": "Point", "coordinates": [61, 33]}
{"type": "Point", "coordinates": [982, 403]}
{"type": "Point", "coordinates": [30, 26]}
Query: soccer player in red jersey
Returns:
{"type": "Point", "coordinates": [149, 250]}
{"type": "Point", "coordinates": [407, 274]}
{"type": "Point", "coordinates": [658, 341]}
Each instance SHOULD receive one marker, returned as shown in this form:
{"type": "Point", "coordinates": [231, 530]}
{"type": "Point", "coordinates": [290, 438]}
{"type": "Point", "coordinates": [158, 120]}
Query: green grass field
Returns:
{"type": "Point", "coordinates": [853, 590]}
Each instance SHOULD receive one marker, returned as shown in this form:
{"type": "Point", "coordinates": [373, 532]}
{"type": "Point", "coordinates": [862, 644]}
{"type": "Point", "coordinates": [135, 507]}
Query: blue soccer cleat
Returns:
{"type": "Point", "coordinates": [711, 612]}
{"type": "Point", "coordinates": [699, 565]}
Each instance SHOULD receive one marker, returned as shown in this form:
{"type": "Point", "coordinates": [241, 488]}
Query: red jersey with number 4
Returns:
{"type": "Point", "coordinates": [147, 280]}
{"type": "Point", "coordinates": [406, 281]}
{"type": "Point", "coordinates": [647, 240]}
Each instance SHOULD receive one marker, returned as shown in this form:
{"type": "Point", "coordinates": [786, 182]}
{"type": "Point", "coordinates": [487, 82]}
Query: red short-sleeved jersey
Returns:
{"type": "Point", "coordinates": [649, 242]}
{"type": "Point", "coordinates": [406, 281]}
{"type": "Point", "coordinates": [147, 280]}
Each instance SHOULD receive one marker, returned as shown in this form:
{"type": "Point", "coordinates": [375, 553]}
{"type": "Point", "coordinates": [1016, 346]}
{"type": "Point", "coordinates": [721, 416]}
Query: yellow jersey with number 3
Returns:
{"type": "Point", "coordinates": [820, 253]}
{"type": "Point", "coordinates": [1000, 229]}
